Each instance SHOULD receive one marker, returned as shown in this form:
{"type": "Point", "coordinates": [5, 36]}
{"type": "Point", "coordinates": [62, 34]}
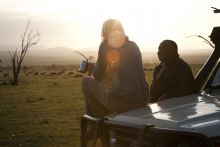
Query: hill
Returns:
{"type": "Point", "coordinates": [46, 56]}
{"type": "Point", "coordinates": [65, 56]}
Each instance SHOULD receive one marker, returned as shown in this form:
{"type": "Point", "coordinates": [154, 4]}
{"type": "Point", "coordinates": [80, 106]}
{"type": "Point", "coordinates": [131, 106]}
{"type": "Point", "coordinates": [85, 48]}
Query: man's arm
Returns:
{"type": "Point", "coordinates": [186, 83]}
{"type": "Point", "coordinates": [154, 92]}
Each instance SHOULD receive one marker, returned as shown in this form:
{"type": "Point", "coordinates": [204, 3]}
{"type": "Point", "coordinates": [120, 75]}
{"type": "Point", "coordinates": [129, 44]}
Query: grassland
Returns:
{"type": "Point", "coordinates": [45, 109]}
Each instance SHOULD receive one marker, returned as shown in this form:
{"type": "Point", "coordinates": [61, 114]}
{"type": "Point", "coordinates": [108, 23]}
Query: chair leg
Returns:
{"type": "Point", "coordinates": [87, 135]}
{"type": "Point", "coordinates": [104, 135]}
{"type": "Point", "coordinates": [95, 133]}
{"type": "Point", "coordinates": [83, 136]}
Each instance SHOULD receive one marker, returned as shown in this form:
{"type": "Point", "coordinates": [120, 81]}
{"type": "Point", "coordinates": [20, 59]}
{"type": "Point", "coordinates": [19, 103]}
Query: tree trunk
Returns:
{"type": "Point", "coordinates": [15, 81]}
{"type": "Point", "coordinates": [16, 75]}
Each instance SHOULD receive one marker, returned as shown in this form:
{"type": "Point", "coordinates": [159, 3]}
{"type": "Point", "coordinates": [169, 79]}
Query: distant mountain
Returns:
{"type": "Point", "coordinates": [193, 57]}
{"type": "Point", "coordinates": [61, 55]}
{"type": "Point", "coordinates": [44, 56]}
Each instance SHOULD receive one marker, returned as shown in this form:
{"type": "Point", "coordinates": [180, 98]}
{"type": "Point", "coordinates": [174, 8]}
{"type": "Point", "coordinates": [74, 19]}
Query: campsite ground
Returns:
{"type": "Point", "coordinates": [45, 109]}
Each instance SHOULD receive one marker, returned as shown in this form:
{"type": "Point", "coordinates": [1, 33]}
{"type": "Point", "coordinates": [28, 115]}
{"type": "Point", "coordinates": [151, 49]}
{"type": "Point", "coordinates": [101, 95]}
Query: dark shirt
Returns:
{"type": "Point", "coordinates": [172, 80]}
{"type": "Point", "coordinates": [129, 77]}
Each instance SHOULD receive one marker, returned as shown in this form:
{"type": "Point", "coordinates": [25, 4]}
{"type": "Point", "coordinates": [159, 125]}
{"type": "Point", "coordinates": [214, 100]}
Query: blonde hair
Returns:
{"type": "Point", "coordinates": [109, 26]}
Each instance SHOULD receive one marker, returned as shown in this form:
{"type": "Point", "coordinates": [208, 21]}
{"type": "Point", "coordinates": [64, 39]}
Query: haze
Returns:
{"type": "Point", "coordinates": [77, 24]}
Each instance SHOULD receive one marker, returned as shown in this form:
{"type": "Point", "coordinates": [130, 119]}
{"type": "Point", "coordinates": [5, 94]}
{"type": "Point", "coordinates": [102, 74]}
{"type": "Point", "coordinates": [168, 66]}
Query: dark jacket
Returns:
{"type": "Point", "coordinates": [128, 82]}
{"type": "Point", "coordinates": [172, 80]}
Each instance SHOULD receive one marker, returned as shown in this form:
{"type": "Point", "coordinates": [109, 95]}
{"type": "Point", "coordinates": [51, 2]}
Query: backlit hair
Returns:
{"type": "Point", "coordinates": [109, 26]}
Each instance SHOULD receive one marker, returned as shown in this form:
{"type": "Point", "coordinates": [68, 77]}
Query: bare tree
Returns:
{"type": "Point", "coordinates": [28, 39]}
{"type": "Point", "coordinates": [0, 65]}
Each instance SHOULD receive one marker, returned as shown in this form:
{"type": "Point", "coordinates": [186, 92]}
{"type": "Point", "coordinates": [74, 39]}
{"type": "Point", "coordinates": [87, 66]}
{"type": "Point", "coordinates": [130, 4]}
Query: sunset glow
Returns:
{"type": "Point", "coordinates": [77, 24]}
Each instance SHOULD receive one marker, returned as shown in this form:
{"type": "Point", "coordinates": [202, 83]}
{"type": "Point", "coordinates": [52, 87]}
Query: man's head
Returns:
{"type": "Point", "coordinates": [167, 51]}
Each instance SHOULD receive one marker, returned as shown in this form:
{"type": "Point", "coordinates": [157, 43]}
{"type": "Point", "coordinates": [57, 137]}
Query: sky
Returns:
{"type": "Point", "coordinates": [77, 24]}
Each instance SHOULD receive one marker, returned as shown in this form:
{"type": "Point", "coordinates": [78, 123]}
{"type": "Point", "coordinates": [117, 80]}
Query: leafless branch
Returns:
{"type": "Point", "coordinates": [204, 40]}
{"type": "Point", "coordinates": [28, 39]}
{"type": "Point", "coordinates": [80, 54]}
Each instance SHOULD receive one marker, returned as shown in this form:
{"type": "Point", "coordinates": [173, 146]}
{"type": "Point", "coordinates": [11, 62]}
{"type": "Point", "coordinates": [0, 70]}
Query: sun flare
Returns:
{"type": "Point", "coordinates": [77, 24]}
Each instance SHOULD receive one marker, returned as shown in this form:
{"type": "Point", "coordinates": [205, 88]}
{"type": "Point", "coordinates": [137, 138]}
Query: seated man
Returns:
{"type": "Point", "coordinates": [173, 76]}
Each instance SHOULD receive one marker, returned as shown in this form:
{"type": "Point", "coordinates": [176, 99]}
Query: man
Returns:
{"type": "Point", "coordinates": [173, 76]}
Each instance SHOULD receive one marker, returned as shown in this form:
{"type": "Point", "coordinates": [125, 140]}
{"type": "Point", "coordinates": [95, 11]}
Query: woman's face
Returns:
{"type": "Point", "coordinates": [116, 38]}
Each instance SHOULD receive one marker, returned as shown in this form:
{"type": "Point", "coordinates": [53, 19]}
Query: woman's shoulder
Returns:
{"type": "Point", "coordinates": [103, 47]}
{"type": "Point", "coordinates": [102, 44]}
{"type": "Point", "coordinates": [132, 44]}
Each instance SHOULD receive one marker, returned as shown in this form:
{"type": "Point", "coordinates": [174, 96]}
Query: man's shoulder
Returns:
{"type": "Point", "coordinates": [158, 67]}
{"type": "Point", "coordinates": [181, 66]}
{"type": "Point", "coordinates": [182, 63]}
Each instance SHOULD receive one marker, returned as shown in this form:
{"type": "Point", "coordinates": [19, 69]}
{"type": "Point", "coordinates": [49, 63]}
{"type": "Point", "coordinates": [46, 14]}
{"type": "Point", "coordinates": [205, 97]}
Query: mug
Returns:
{"type": "Point", "coordinates": [83, 66]}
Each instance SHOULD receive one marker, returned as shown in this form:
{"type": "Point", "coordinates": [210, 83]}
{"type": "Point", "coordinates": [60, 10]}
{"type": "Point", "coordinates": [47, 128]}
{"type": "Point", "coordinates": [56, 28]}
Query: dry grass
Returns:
{"type": "Point", "coordinates": [44, 110]}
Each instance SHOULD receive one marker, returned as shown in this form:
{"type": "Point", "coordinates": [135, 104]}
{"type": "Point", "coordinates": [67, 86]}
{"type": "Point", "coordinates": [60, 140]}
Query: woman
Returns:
{"type": "Point", "coordinates": [121, 59]}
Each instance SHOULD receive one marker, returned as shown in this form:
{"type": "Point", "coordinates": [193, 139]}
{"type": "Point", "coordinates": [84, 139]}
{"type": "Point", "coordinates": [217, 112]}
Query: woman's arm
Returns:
{"type": "Point", "coordinates": [101, 64]}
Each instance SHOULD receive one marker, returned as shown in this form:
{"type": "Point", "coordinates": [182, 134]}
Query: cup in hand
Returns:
{"type": "Point", "coordinates": [83, 66]}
